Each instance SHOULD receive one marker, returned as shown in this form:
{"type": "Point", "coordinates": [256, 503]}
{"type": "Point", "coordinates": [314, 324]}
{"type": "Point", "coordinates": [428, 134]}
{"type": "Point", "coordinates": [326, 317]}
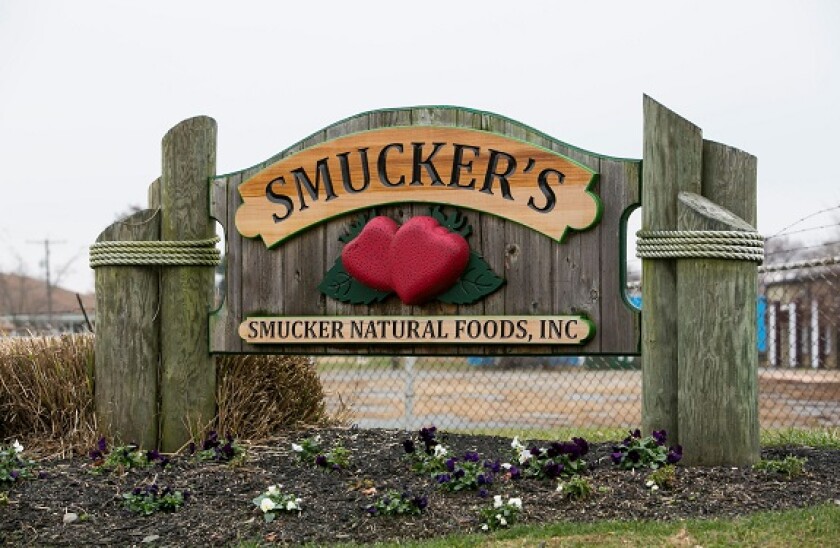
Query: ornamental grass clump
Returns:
{"type": "Point", "coordinates": [650, 452]}
{"type": "Point", "coordinates": [790, 466]}
{"type": "Point", "coordinates": [274, 501]}
{"type": "Point", "coordinates": [501, 514]}
{"type": "Point", "coordinates": [395, 503]}
{"type": "Point", "coordinates": [13, 465]}
{"type": "Point", "coordinates": [122, 458]}
{"type": "Point", "coordinates": [310, 451]}
{"type": "Point", "coordinates": [151, 498]}
{"type": "Point", "coordinates": [561, 459]}
{"type": "Point", "coordinates": [226, 449]}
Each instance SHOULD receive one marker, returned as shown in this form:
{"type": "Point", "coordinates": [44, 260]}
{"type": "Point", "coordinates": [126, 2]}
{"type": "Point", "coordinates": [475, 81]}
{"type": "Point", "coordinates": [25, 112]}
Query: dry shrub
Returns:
{"type": "Point", "coordinates": [260, 395]}
{"type": "Point", "coordinates": [46, 395]}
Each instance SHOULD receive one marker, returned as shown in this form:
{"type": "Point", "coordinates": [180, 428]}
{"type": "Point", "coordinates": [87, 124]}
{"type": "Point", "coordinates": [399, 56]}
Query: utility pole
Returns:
{"type": "Point", "coordinates": [47, 242]}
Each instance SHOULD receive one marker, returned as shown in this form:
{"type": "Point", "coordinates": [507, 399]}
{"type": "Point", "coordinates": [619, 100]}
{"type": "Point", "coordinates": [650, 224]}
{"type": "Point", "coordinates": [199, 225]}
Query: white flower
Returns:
{"type": "Point", "coordinates": [515, 501]}
{"type": "Point", "coordinates": [267, 505]}
{"type": "Point", "coordinates": [484, 527]}
{"type": "Point", "coordinates": [650, 483]}
{"type": "Point", "coordinates": [18, 447]}
{"type": "Point", "coordinates": [273, 490]}
{"type": "Point", "coordinates": [297, 448]}
{"type": "Point", "coordinates": [506, 465]}
{"type": "Point", "coordinates": [502, 521]}
{"type": "Point", "coordinates": [497, 501]}
{"type": "Point", "coordinates": [655, 488]}
{"type": "Point", "coordinates": [292, 505]}
{"type": "Point", "coordinates": [560, 487]}
{"type": "Point", "coordinates": [440, 450]}
{"type": "Point", "coordinates": [524, 456]}
{"type": "Point", "coordinates": [516, 445]}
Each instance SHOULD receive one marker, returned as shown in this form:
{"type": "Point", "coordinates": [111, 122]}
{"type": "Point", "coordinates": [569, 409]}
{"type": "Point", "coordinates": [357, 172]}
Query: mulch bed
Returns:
{"type": "Point", "coordinates": [221, 511]}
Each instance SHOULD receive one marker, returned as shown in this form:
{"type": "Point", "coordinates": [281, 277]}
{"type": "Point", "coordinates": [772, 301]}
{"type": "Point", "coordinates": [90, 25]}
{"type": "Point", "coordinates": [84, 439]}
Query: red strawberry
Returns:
{"type": "Point", "coordinates": [426, 259]}
{"type": "Point", "coordinates": [366, 256]}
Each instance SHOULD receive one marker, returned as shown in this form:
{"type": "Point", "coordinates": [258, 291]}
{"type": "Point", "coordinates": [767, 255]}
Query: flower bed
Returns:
{"type": "Point", "coordinates": [333, 505]}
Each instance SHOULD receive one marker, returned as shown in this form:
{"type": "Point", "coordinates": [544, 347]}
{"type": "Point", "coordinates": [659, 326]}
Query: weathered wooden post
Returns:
{"type": "Point", "coordinates": [127, 342]}
{"type": "Point", "coordinates": [673, 150]}
{"type": "Point", "coordinates": [718, 356]}
{"type": "Point", "coordinates": [188, 375]}
{"type": "Point", "coordinates": [699, 357]}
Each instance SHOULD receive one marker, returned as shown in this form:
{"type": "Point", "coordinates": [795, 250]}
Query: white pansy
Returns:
{"type": "Point", "coordinates": [506, 465]}
{"type": "Point", "coordinates": [297, 448]}
{"type": "Point", "coordinates": [497, 501]}
{"type": "Point", "coordinates": [273, 490]}
{"type": "Point", "coordinates": [484, 527]}
{"type": "Point", "coordinates": [650, 483]}
{"type": "Point", "coordinates": [560, 487]}
{"type": "Point", "coordinates": [440, 450]}
{"type": "Point", "coordinates": [267, 505]}
{"type": "Point", "coordinates": [18, 447]}
{"type": "Point", "coordinates": [655, 488]}
{"type": "Point", "coordinates": [502, 521]}
{"type": "Point", "coordinates": [515, 444]}
{"type": "Point", "coordinates": [515, 501]}
{"type": "Point", "coordinates": [292, 505]}
{"type": "Point", "coordinates": [524, 456]}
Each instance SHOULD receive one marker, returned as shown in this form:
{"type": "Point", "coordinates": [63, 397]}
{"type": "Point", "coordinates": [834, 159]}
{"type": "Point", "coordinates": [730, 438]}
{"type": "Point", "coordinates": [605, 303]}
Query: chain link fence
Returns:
{"type": "Point", "coordinates": [799, 368]}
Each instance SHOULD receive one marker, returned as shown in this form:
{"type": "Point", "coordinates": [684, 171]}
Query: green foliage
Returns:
{"type": "Point", "coordinates": [274, 501]}
{"type": "Point", "coordinates": [150, 499]}
{"type": "Point", "coordinates": [456, 222]}
{"type": "Point", "coordinates": [558, 460]}
{"type": "Point", "coordinates": [501, 514]}
{"type": "Point", "coordinates": [357, 225]}
{"type": "Point", "coordinates": [790, 466]}
{"type": "Point", "coordinates": [662, 478]}
{"type": "Point", "coordinates": [576, 488]}
{"type": "Point", "coordinates": [398, 504]}
{"type": "Point", "coordinates": [478, 280]}
{"type": "Point", "coordinates": [649, 452]}
{"type": "Point", "coordinates": [310, 451]}
{"type": "Point", "coordinates": [13, 465]}
{"type": "Point", "coordinates": [122, 458]}
{"type": "Point", "coordinates": [343, 287]}
{"type": "Point", "coordinates": [213, 448]}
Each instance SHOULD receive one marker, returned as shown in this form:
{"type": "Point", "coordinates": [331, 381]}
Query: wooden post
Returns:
{"type": "Point", "coordinates": [673, 150]}
{"type": "Point", "coordinates": [127, 343]}
{"type": "Point", "coordinates": [718, 357]}
{"type": "Point", "coordinates": [188, 375]}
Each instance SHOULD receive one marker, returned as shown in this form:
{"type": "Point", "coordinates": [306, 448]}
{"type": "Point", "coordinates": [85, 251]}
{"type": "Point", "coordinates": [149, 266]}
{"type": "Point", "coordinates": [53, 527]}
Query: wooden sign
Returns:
{"type": "Point", "coordinates": [418, 330]}
{"type": "Point", "coordinates": [438, 225]}
{"type": "Point", "coordinates": [535, 187]}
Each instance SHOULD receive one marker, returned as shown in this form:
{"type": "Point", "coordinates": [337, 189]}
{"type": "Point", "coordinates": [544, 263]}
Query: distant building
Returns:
{"type": "Point", "coordinates": [25, 308]}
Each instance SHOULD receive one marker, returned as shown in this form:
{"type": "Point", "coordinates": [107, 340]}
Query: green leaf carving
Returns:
{"type": "Point", "coordinates": [477, 281]}
{"type": "Point", "coordinates": [456, 222]}
{"type": "Point", "coordinates": [341, 286]}
{"type": "Point", "coordinates": [357, 225]}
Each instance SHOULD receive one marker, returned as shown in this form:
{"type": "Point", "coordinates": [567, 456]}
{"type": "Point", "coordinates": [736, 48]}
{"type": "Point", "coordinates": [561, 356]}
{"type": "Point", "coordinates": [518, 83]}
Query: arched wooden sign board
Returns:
{"type": "Point", "coordinates": [543, 221]}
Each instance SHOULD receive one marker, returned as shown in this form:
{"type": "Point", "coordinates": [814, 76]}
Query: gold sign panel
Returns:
{"type": "Point", "coordinates": [417, 330]}
{"type": "Point", "coordinates": [535, 187]}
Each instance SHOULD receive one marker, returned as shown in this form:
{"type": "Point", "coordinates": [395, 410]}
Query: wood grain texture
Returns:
{"type": "Point", "coordinates": [534, 277]}
{"type": "Point", "coordinates": [154, 194]}
{"type": "Point", "coordinates": [672, 155]}
{"type": "Point", "coordinates": [127, 340]}
{"type": "Point", "coordinates": [718, 357]}
{"type": "Point", "coordinates": [188, 375]}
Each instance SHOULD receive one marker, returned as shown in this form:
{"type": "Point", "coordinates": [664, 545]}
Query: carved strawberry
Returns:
{"type": "Point", "coordinates": [366, 256]}
{"type": "Point", "coordinates": [426, 259]}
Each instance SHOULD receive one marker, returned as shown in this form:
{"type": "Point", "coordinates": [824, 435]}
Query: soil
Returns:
{"type": "Point", "coordinates": [221, 512]}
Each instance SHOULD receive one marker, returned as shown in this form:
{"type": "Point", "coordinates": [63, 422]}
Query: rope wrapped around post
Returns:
{"type": "Point", "coordinates": [709, 244]}
{"type": "Point", "coordinates": [160, 253]}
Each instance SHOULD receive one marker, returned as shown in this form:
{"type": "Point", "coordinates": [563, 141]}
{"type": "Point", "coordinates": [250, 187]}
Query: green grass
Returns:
{"type": "Point", "coordinates": [822, 438]}
{"type": "Point", "coordinates": [818, 526]}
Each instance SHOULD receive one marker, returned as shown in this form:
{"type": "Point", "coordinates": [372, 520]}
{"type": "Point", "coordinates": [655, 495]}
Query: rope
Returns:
{"type": "Point", "coordinates": [826, 261]}
{"type": "Point", "coordinates": [156, 253]}
{"type": "Point", "coordinates": [705, 244]}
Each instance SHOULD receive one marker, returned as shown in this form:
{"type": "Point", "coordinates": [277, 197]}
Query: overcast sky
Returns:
{"type": "Point", "coordinates": [88, 89]}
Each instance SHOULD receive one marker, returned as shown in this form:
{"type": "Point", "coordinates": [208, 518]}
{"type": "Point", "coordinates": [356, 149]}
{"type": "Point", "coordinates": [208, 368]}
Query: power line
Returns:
{"type": "Point", "coordinates": [47, 242]}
